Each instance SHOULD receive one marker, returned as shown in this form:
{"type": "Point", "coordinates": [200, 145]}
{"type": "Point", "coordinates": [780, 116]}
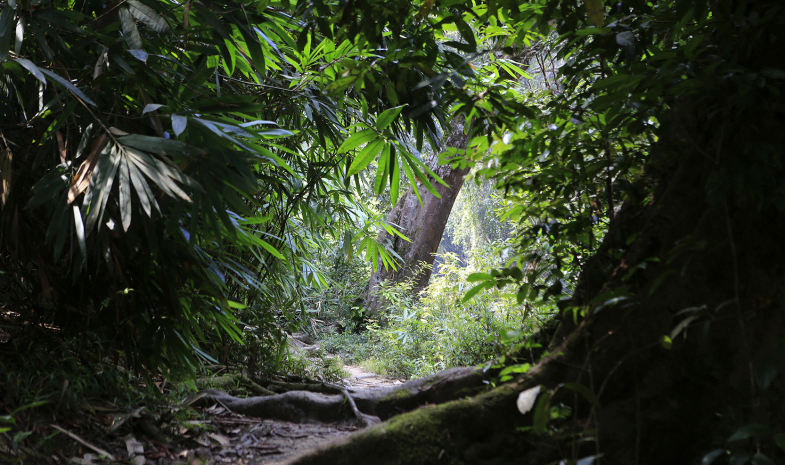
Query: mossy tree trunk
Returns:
{"type": "Point", "coordinates": [422, 223]}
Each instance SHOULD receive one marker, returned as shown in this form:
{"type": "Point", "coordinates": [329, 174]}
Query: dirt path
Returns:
{"type": "Point", "coordinates": [245, 440]}
{"type": "Point", "coordinates": [361, 379]}
{"type": "Point", "coordinates": [311, 435]}
{"type": "Point", "coordinates": [218, 436]}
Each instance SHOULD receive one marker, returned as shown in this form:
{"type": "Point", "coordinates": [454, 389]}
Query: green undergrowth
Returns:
{"type": "Point", "coordinates": [423, 334]}
{"type": "Point", "coordinates": [316, 365]}
{"type": "Point", "coordinates": [62, 375]}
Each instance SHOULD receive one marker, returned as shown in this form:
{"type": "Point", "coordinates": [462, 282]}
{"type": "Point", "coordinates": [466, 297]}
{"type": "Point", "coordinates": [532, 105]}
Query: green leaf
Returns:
{"type": "Point", "coordinates": [162, 174]}
{"type": "Point", "coordinates": [160, 145]}
{"type": "Point", "coordinates": [766, 370]}
{"type": "Point", "coordinates": [761, 459]}
{"type": "Point", "coordinates": [774, 73]}
{"type": "Point", "coordinates": [255, 49]}
{"type": "Point", "coordinates": [21, 436]}
{"type": "Point", "coordinates": [542, 412]}
{"type": "Point", "coordinates": [474, 277]}
{"type": "Point", "coordinates": [130, 33]}
{"type": "Point", "coordinates": [357, 139]}
{"type": "Point", "coordinates": [611, 302]}
{"type": "Point", "coordinates": [466, 32]}
{"type": "Point", "coordinates": [30, 405]}
{"type": "Point", "coordinates": [28, 65]}
{"type": "Point", "coordinates": [100, 186]}
{"type": "Point", "coordinates": [271, 249]}
{"type": "Point", "coordinates": [381, 171]}
{"type": "Point", "coordinates": [522, 291]}
{"type": "Point", "coordinates": [595, 10]}
{"type": "Point", "coordinates": [366, 156]}
{"type": "Point", "coordinates": [395, 175]}
{"type": "Point", "coordinates": [753, 430]}
{"type": "Point", "coordinates": [387, 117]}
{"type": "Point", "coordinates": [148, 16]}
{"type": "Point", "coordinates": [142, 190]}
{"type": "Point", "coordinates": [584, 391]}
{"type": "Point", "coordinates": [709, 458]}
{"type": "Point", "coordinates": [473, 291]}
{"type": "Point", "coordinates": [779, 439]}
{"type": "Point", "coordinates": [124, 188]}
{"type": "Point", "coordinates": [74, 90]}
{"type": "Point", "coordinates": [6, 22]}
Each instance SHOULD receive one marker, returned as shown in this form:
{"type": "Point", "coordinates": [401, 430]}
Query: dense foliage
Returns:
{"type": "Point", "coordinates": [166, 166]}
{"type": "Point", "coordinates": [168, 169]}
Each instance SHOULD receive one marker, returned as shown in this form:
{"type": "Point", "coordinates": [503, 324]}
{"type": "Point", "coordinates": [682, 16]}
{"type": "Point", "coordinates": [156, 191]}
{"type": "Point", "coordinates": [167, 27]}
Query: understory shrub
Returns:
{"type": "Point", "coordinates": [421, 334]}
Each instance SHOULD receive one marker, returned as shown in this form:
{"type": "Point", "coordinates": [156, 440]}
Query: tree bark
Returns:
{"type": "Point", "coordinates": [301, 406]}
{"type": "Point", "coordinates": [423, 223]}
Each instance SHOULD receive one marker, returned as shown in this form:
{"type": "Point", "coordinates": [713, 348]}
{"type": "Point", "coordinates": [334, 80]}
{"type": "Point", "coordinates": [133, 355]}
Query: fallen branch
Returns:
{"type": "Point", "coordinates": [83, 442]}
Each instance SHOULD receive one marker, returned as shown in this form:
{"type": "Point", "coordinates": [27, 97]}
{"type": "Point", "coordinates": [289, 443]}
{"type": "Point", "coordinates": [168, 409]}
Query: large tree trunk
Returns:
{"type": "Point", "coordinates": [423, 223]}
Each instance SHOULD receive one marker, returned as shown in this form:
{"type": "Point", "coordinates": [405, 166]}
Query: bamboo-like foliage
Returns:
{"type": "Point", "coordinates": [167, 165]}
{"type": "Point", "coordinates": [163, 164]}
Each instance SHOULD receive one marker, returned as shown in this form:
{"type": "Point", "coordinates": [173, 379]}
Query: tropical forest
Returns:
{"type": "Point", "coordinates": [535, 232]}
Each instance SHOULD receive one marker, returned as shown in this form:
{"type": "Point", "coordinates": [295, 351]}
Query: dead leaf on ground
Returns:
{"type": "Point", "coordinates": [220, 439]}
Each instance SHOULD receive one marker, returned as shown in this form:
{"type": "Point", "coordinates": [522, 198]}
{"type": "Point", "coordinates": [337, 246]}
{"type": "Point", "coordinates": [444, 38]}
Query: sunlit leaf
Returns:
{"type": "Point", "coordinates": [151, 107]}
{"type": "Point", "coordinates": [358, 139]}
{"type": "Point", "coordinates": [67, 85]}
{"type": "Point", "coordinates": [139, 54]}
{"type": "Point", "coordinates": [387, 117]}
{"type": "Point", "coordinates": [28, 65]}
{"type": "Point", "coordinates": [179, 123]}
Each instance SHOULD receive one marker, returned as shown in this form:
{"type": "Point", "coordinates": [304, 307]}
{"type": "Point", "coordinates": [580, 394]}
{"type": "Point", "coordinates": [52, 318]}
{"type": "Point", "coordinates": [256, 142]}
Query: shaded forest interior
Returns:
{"type": "Point", "coordinates": [220, 229]}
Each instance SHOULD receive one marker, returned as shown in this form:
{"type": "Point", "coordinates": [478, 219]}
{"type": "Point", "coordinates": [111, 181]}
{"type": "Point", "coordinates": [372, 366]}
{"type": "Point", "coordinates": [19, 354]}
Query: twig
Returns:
{"type": "Point", "coordinates": [83, 442]}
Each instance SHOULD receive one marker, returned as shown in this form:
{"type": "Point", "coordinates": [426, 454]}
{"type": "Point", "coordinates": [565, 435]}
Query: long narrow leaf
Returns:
{"type": "Point", "coordinates": [357, 139]}
{"type": "Point", "coordinates": [130, 32]}
{"type": "Point", "coordinates": [75, 90]}
{"type": "Point", "coordinates": [148, 16]}
{"type": "Point", "coordinates": [124, 187]}
{"type": "Point", "coordinates": [366, 156]}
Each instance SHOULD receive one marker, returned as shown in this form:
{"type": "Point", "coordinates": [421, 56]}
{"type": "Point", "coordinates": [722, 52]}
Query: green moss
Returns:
{"type": "Point", "coordinates": [398, 394]}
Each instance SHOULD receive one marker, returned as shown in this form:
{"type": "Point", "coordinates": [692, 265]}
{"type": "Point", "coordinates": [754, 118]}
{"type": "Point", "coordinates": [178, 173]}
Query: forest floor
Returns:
{"type": "Point", "coordinates": [263, 441]}
{"type": "Point", "coordinates": [205, 435]}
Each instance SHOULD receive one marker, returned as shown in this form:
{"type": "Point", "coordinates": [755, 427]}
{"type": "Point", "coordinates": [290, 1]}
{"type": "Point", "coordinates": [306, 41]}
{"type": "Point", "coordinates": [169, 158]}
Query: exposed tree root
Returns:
{"type": "Point", "coordinates": [366, 405]}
